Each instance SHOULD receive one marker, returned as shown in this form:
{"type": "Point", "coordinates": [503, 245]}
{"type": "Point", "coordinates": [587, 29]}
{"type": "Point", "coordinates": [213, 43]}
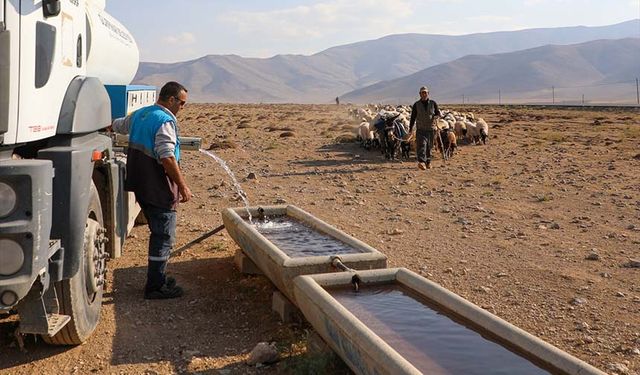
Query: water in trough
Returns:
{"type": "Point", "coordinates": [296, 239]}
{"type": "Point", "coordinates": [429, 340]}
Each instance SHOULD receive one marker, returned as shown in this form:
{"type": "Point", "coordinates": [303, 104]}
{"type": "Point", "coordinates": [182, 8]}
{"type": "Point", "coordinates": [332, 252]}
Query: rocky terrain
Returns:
{"type": "Point", "coordinates": [540, 227]}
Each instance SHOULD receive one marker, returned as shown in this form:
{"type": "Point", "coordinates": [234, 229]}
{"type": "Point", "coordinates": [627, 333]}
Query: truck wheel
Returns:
{"type": "Point", "coordinates": [81, 296]}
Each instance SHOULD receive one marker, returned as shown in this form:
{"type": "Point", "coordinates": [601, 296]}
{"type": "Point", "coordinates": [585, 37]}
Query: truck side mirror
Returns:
{"type": "Point", "coordinates": [50, 8]}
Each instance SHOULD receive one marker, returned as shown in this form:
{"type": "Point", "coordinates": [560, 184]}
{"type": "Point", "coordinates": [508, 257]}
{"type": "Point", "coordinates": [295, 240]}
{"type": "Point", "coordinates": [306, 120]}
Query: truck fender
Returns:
{"type": "Point", "coordinates": [86, 107]}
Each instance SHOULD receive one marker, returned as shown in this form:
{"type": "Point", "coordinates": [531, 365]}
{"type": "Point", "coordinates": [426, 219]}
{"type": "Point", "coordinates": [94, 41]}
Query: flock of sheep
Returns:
{"type": "Point", "coordinates": [387, 128]}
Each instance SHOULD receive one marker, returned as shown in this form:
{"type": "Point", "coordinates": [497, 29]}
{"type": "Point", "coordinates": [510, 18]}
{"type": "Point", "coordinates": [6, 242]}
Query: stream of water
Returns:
{"type": "Point", "coordinates": [236, 184]}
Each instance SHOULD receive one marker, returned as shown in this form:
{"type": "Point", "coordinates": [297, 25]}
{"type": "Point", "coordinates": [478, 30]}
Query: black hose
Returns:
{"type": "Point", "coordinates": [186, 246]}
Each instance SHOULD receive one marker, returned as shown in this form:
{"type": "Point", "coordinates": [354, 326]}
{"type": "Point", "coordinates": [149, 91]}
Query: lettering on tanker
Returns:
{"type": "Point", "coordinates": [115, 29]}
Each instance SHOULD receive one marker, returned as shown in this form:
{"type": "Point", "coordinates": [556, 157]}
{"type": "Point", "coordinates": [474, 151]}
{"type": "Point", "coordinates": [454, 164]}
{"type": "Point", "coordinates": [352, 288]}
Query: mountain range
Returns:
{"type": "Point", "coordinates": [602, 70]}
{"type": "Point", "coordinates": [346, 69]}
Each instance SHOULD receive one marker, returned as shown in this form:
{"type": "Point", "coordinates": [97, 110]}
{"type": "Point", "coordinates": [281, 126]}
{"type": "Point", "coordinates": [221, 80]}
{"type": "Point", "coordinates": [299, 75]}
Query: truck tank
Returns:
{"type": "Point", "coordinates": [112, 53]}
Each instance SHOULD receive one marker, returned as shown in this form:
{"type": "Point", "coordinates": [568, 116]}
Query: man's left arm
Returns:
{"type": "Point", "coordinates": [436, 110]}
{"type": "Point", "coordinates": [172, 170]}
{"type": "Point", "coordinates": [164, 147]}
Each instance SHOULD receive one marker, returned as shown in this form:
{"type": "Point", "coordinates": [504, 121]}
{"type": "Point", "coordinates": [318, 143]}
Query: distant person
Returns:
{"type": "Point", "coordinates": [153, 174]}
{"type": "Point", "coordinates": [337, 100]}
{"type": "Point", "coordinates": [423, 114]}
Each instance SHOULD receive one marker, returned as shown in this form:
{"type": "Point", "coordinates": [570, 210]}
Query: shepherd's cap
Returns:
{"type": "Point", "coordinates": [424, 88]}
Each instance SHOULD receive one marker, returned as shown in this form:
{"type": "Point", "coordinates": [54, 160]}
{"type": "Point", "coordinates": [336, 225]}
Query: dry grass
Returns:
{"type": "Point", "coordinates": [557, 137]}
{"type": "Point", "coordinates": [632, 131]}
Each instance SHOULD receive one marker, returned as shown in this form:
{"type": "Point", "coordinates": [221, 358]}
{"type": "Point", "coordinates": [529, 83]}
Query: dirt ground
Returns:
{"type": "Point", "coordinates": [538, 227]}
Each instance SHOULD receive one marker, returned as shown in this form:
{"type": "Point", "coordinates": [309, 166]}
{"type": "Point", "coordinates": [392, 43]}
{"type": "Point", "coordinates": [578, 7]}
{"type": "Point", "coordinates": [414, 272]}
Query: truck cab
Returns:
{"type": "Point", "coordinates": [63, 210]}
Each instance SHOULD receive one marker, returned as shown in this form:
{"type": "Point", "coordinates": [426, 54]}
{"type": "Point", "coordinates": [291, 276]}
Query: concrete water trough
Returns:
{"type": "Point", "coordinates": [285, 242]}
{"type": "Point", "coordinates": [401, 323]}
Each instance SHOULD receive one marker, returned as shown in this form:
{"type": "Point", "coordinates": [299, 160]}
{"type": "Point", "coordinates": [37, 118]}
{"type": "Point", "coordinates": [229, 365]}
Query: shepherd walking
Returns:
{"type": "Point", "coordinates": [423, 115]}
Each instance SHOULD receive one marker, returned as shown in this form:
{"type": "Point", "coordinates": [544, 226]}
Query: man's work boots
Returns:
{"type": "Point", "coordinates": [422, 166]}
{"type": "Point", "coordinates": [168, 290]}
{"type": "Point", "coordinates": [170, 282]}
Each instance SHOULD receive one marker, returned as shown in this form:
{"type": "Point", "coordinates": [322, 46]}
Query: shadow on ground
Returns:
{"type": "Point", "coordinates": [211, 321]}
{"type": "Point", "coordinates": [342, 158]}
{"type": "Point", "coordinates": [34, 348]}
{"type": "Point", "coordinates": [211, 328]}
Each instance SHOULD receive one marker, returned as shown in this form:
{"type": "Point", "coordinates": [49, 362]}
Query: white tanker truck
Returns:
{"type": "Point", "coordinates": [63, 210]}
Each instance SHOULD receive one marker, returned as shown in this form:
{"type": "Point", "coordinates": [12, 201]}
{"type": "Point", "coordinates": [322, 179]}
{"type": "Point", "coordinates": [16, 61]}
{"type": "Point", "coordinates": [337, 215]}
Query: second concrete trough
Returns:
{"type": "Point", "coordinates": [367, 353]}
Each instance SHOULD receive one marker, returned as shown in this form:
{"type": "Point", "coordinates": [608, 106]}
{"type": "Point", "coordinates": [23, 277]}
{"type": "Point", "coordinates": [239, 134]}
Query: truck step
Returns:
{"type": "Point", "coordinates": [56, 322]}
{"type": "Point", "coordinates": [54, 246]}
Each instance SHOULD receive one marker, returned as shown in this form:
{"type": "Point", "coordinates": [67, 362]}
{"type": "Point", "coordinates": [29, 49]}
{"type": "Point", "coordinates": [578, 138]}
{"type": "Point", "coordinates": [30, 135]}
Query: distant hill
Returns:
{"type": "Point", "coordinates": [596, 69]}
{"type": "Point", "coordinates": [320, 77]}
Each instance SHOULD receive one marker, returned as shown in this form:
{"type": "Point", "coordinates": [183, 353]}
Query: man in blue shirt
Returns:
{"type": "Point", "coordinates": [153, 174]}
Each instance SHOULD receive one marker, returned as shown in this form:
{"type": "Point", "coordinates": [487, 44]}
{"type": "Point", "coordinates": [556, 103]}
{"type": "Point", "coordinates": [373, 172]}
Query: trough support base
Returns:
{"type": "Point", "coordinates": [287, 311]}
{"type": "Point", "coordinates": [319, 349]}
{"type": "Point", "coordinates": [317, 346]}
{"type": "Point", "coordinates": [245, 265]}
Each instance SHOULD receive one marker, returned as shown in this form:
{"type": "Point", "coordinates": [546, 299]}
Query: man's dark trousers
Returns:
{"type": "Point", "coordinates": [424, 145]}
{"type": "Point", "coordinates": [162, 224]}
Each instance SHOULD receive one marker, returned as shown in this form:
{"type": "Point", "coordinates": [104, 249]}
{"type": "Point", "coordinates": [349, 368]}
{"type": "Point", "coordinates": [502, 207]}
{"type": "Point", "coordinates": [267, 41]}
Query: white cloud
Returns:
{"type": "Point", "coordinates": [489, 18]}
{"type": "Point", "coordinates": [322, 19]}
{"type": "Point", "coordinates": [553, 2]}
{"type": "Point", "coordinates": [180, 38]}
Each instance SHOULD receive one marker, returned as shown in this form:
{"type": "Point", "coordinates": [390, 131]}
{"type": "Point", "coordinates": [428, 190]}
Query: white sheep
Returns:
{"type": "Point", "coordinates": [365, 135]}
{"type": "Point", "coordinates": [460, 128]}
{"type": "Point", "coordinates": [449, 118]}
{"type": "Point", "coordinates": [483, 129]}
{"type": "Point", "coordinates": [473, 133]}
{"type": "Point", "coordinates": [442, 124]}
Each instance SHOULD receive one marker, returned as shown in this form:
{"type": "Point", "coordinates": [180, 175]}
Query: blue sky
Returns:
{"type": "Point", "coordinates": [179, 30]}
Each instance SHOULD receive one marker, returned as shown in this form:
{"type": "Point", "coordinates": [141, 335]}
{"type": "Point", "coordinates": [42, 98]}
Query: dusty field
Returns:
{"type": "Point", "coordinates": [509, 226]}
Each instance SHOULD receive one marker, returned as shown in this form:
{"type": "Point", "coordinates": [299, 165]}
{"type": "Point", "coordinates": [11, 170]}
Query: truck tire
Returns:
{"type": "Point", "coordinates": [81, 296]}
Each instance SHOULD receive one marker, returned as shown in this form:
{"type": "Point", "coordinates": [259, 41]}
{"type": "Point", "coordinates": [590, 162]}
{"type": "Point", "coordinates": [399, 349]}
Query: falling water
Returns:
{"type": "Point", "coordinates": [236, 185]}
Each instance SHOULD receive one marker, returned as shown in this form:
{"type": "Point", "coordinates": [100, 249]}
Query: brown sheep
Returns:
{"type": "Point", "coordinates": [446, 143]}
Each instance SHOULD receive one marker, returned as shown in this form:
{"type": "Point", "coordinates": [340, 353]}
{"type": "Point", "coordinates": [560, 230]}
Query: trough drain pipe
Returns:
{"type": "Point", "coordinates": [336, 262]}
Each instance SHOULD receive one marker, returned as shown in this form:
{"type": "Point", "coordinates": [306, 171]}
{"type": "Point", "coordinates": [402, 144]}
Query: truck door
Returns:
{"type": "Point", "coordinates": [8, 84]}
{"type": "Point", "coordinates": [51, 54]}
